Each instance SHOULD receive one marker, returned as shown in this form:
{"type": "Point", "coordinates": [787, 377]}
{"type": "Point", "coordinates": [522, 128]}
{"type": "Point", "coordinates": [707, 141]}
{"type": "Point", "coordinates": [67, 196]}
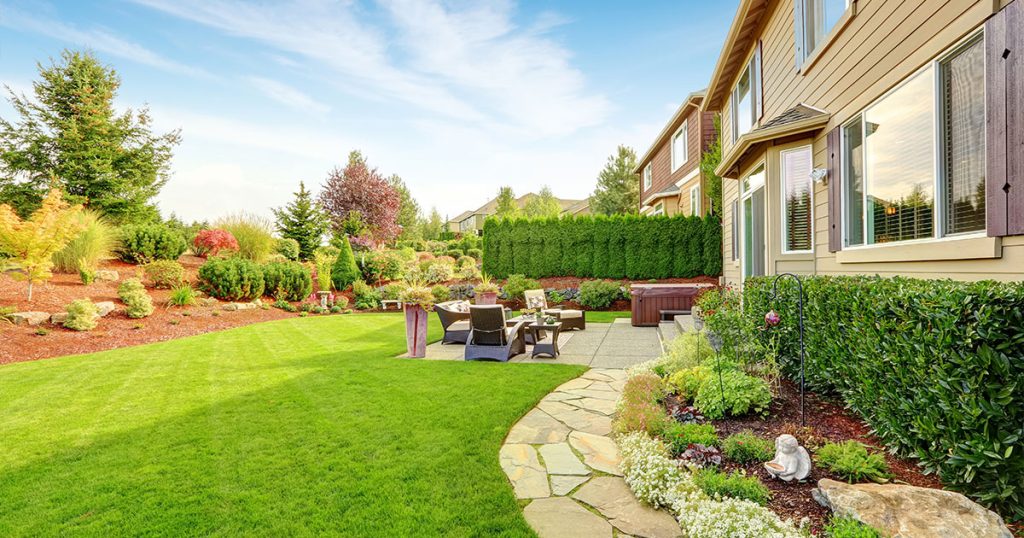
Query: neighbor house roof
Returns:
{"type": "Point", "coordinates": [671, 190]}
{"type": "Point", "coordinates": [742, 35]}
{"type": "Point", "coordinates": [692, 101]}
{"type": "Point", "coordinates": [797, 120]}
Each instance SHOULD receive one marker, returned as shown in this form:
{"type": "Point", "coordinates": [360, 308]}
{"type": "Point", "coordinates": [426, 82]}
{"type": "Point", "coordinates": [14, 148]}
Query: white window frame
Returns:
{"type": "Point", "coordinates": [678, 160]}
{"type": "Point", "coordinates": [753, 71]}
{"type": "Point", "coordinates": [939, 180]}
{"type": "Point", "coordinates": [648, 180]}
{"type": "Point", "coordinates": [659, 209]}
{"type": "Point", "coordinates": [801, 32]}
{"type": "Point", "coordinates": [782, 195]}
{"type": "Point", "coordinates": [747, 191]}
{"type": "Point", "coordinates": [695, 200]}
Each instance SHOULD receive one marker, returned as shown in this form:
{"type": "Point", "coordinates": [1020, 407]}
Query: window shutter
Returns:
{"type": "Point", "coordinates": [835, 209]}
{"type": "Point", "coordinates": [798, 32]}
{"type": "Point", "coordinates": [757, 89]}
{"type": "Point", "coordinates": [1004, 97]}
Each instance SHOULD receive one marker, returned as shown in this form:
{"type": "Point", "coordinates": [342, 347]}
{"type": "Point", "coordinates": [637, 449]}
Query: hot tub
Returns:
{"type": "Point", "coordinates": [653, 303]}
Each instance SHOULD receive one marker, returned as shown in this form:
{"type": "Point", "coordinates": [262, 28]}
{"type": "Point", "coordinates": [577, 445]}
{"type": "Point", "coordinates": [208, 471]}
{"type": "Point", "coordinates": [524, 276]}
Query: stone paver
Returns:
{"type": "Point", "coordinates": [520, 463]}
{"type": "Point", "coordinates": [612, 497]}
{"type": "Point", "coordinates": [537, 427]}
{"type": "Point", "coordinates": [605, 407]}
{"type": "Point", "coordinates": [563, 517]}
{"type": "Point", "coordinates": [563, 484]}
{"type": "Point", "coordinates": [578, 419]}
{"type": "Point", "coordinates": [599, 452]}
{"type": "Point", "coordinates": [559, 459]}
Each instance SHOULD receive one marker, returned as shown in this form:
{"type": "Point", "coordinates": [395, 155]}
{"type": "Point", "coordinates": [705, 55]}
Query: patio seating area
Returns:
{"type": "Point", "coordinates": [601, 345]}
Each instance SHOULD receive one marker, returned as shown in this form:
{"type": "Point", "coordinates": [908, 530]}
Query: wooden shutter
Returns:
{"type": "Point", "coordinates": [1004, 91]}
{"type": "Point", "coordinates": [798, 31]}
{"type": "Point", "coordinates": [757, 89]}
{"type": "Point", "coordinates": [835, 209]}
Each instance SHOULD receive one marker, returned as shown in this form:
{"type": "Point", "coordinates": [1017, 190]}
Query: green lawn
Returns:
{"type": "Point", "coordinates": [295, 427]}
{"type": "Point", "coordinates": [605, 317]}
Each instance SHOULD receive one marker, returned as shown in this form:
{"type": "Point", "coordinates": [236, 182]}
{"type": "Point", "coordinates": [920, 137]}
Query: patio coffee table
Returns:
{"type": "Point", "coordinates": [542, 343]}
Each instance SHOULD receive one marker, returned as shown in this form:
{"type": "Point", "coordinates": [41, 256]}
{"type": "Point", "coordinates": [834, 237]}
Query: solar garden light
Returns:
{"type": "Point", "coordinates": [772, 319]}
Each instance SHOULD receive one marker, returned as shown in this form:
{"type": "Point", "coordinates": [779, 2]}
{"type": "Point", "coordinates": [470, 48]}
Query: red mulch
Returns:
{"type": "Point", "coordinates": [828, 422]}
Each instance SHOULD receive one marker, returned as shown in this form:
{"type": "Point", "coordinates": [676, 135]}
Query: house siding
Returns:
{"type": "Point", "coordinates": [857, 67]}
{"type": "Point", "coordinates": [662, 175]}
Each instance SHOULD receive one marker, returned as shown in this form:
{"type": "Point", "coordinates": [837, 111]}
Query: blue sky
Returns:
{"type": "Point", "coordinates": [458, 98]}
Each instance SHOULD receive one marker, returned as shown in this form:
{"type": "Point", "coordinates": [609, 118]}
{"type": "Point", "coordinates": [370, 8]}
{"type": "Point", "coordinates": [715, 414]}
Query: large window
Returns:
{"type": "Point", "coordinates": [814, 20]}
{"type": "Point", "coordinates": [742, 106]}
{"type": "Point", "coordinates": [796, 200]}
{"type": "Point", "coordinates": [647, 176]}
{"type": "Point", "coordinates": [895, 188]}
{"type": "Point", "coordinates": [695, 200]}
{"type": "Point", "coordinates": [679, 149]}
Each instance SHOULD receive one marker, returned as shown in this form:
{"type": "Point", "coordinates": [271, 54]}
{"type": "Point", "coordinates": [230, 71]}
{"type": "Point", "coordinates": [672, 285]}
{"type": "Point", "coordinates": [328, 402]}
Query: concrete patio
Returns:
{"type": "Point", "coordinates": [601, 345]}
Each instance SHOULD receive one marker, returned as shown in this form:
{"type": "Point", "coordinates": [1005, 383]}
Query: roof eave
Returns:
{"type": "Point", "coordinates": [665, 131]}
{"type": "Point", "coordinates": [713, 97]}
{"type": "Point", "coordinates": [748, 140]}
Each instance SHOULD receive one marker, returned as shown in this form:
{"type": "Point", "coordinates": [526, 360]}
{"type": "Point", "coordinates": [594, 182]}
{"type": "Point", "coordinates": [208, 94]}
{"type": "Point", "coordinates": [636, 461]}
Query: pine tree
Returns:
{"type": "Point", "coordinates": [543, 205]}
{"type": "Point", "coordinates": [433, 226]}
{"type": "Point", "coordinates": [409, 217]}
{"type": "Point", "coordinates": [304, 221]}
{"type": "Point", "coordinates": [618, 188]}
{"type": "Point", "coordinates": [506, 206]}
{"type": "Point", "coordinates": [345, 270]}
{"type": "Point", "coordinates": [109, 161]}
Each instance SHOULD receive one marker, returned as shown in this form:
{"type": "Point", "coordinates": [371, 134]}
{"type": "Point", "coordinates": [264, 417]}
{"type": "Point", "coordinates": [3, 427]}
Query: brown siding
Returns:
{"type": "Point", "coordinates": [661, 162]}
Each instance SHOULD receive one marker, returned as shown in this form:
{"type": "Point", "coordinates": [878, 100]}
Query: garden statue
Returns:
{"type": "Point", "coordinates": [791, 460]}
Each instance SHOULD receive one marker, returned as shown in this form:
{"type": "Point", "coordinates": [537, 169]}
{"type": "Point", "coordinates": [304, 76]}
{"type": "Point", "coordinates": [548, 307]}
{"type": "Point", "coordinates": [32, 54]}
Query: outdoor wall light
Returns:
{"type": "Point", "coordinates": [819, 175]}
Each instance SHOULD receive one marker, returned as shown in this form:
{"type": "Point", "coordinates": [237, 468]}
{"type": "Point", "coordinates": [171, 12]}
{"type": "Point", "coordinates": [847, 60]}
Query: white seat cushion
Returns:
{"type": "Point", "coordinates": [461, 325]}
{"type": "Point", "coordinates": [565, 314]}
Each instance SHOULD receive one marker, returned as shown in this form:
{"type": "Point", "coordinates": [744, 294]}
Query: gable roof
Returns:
{"type": "Point", "coordinates": [738, 42]}
{"type": "Point", "coordinates": [797, 120]}
{"type": "Point", "coordinates": [692, 101]}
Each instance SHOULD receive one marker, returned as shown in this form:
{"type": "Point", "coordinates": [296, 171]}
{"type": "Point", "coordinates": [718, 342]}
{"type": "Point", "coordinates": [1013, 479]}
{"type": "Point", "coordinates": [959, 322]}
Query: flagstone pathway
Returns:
{"type": "Point", "coordinates": [561, 458]}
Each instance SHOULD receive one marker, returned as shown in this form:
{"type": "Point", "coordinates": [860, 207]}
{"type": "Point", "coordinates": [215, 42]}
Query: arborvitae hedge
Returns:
{"type": "Point", "coordinates": [620, 246]}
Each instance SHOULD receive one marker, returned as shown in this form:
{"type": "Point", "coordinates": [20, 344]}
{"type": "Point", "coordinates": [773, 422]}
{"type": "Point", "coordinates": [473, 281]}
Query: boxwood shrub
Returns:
{"type": "Point", "coordinates": [288, 280]}
{"type": "Point", "coordinates": [231, 279]}
{"type": "Point", "coordinates": [935, 367]}
{"type": "Point", "coordinates": [143, 243]}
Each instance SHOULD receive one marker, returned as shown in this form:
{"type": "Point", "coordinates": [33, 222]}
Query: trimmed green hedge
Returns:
{"type": "Point", "coordinates": [935, 367]}
{"type": "Point", "coordinates": [620, 246]}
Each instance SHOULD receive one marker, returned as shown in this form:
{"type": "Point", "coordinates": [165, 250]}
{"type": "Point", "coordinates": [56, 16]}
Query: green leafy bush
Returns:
{"type": "Point", "coordinates": [287, 280]}
{"type": "Point", "coordinates": [745, 447]}
{"type": "Point", "coordinates": [82, 315]}
{"type": "Point", "coordinates": [143, 243]}
{"type": "Point", "coordinates": [182, 295]}
{"type": "Point", "coordinates": [381, 265]}
{"type": "Point", "coordinates": [517, 284]}
{"type": "Point", "coordinates": [391, 292]}
{"type": "Point", "coordinates": [366, 298]}
{"type": "Point", "coordinates": [852, 461]}
{"type": "Point", "coordinates": [254, 234]}
{"type": "Point", "coordinates": [743, 394]}
{"type": "Point", "coordinates": [441, 293]}
{"type": "Point", "coordinates": [137, 302]}
{"type": "Point", "coordinates": [475, 253]}
{"type": "Point", "coordinates": [687, 350]}
{"type": "Point", "coordinates": [640, 406]}
{"type": "Point", "coordinates": [688, 381]}
{"type": "Point", "coordinates": [737, 485]}
{"type": "Point", "coordinates": [847, 527]}
{"type": "Point", "coordinates": [616, 247]}
{"type": "Point", "coordinates": [345, 270]}
{"type": "Point", "coordinates": [933, 366]}
{"type": "Point", "coordinates": [284, 305]}
{"type": "Point", "coordinates": [95, 243]}
{"type": "Point", "coordinates": [454, 253]}
{"type": "Point", "coordinates": [287, 247]}
{"type": "Point", "coordinates": [679, 436]}
{"type": "Point", "coordinates": [439, 270]}
{"type": "Point", "coordinates": [598, 294]}
{"type": "Point", "coordinates": [231, 279]}
{"type": "Point", "coordinates": [164, 273]}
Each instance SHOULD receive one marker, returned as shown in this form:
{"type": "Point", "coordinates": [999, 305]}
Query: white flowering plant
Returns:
{"type": "Point", "coordinates": [731, 518]}
{"type": "Point", "coordinates": [650, 471]}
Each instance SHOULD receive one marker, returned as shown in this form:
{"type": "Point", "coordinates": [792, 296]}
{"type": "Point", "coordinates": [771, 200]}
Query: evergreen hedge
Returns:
{"type": "Point", "coordinates": [935, 367]}
{"type": "Point", "coordinates": [619, 246]}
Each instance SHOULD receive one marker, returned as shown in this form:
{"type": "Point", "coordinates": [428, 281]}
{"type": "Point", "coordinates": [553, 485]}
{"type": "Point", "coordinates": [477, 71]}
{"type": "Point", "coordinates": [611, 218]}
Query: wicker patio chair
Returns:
{"type": "Point", "coordinates": [454, 321]}
{"type": "Point", "coordinates": [570, 318]}
{"type": "Point", "coordinates": [489, 338]}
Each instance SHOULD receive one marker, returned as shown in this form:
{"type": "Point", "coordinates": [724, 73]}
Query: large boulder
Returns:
{"type": "Point", "coordinates": [29, 318]}
{"type": "Point", "coordinates": [105, 307]}
{"type": "Point", "coordinates": [903, 511]}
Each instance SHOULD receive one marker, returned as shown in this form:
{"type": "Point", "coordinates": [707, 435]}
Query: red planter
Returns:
{"type": "Point", "coordinates": [487, 297]}
{"type": "Point", "coordinates": [416, 331]}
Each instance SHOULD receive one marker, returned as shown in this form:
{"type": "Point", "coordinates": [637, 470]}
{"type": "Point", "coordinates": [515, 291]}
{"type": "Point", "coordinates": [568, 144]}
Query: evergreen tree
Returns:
{"type": "Point", "coordinates": [433, 226]}
{"type": "Point", "coordinates": [70, 137]}
{"type": "Point", "coordinates": [507, 206]}
{"type": "Point", "coordinates": [345, 270]}
{"type": "Point", "coordinates": [409, 217]}
{"type": "Point", "coordinates": [304, 221]}
{"type": "Point", "coordinates": [709, 161]}
{"type": "Point", "coordinates": [618, 188]}
{"type": "Point", "coordinates": [543, 205]}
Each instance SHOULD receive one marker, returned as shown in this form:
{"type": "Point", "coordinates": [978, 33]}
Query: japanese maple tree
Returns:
{"type": "Point", "coordinates": [32, 242]}
{"type": "Point", "coordinates": [359, 188]}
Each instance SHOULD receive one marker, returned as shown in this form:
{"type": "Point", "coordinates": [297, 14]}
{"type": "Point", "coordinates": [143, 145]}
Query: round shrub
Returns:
{"type": "Point", "coordinates": [598, 293]}
{"type": "Point", "coordinates": [465, 261]}
{"type": "Point", "coordinates": [212, 242]}
{"type": "Point", "coordinates": [231, 279]}
{"type": "Point", "coordinates": [475, 253]}
{"type": "Point", "coordinates": [745, 447]}
{"type": "Point", "coordinates": [743, 394]}
{"type": "Point", "coordinates": [288, 280]}
{"type": "Point", "coordinates": [164, 273]}
{"type": "Point", "coordinates": [138, 303]}
{"type": "Point", "coordinates": [82, 315]}
{"type": "Point", "coordinates": [454, 253]}
{"type": "Point", "coordinates": [143, 243]}
{"type": "Point", "coordinates": [717, 485]}
{"type": "Point", "coordinates": [439, 270]}
{"type": "Point", "coordinates": [517, 284]}
{"type": "Point", "coordinates": [288, 247]}
{"type": "Point", "coordinates": [441, 293]}
{"type": "Point", "coordinates": [381, 265]}
{"type": "Point", "coordinates": [680, 436]}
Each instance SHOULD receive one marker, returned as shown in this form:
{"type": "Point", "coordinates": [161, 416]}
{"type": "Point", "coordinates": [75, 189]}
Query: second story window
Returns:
{"type": "Point", "coordinates": [679, 149]}
{"type": "Point", "coordinates": [647, 176]}
{"type": "Point", "coordinates": [814, 19]}
{"type": "Point", "coordinates": [746, 97]}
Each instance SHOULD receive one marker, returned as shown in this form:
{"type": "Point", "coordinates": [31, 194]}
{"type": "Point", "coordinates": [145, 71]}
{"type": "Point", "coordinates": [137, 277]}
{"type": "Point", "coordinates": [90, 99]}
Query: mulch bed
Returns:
{"type": "Point", "coordinates": [829, 421]}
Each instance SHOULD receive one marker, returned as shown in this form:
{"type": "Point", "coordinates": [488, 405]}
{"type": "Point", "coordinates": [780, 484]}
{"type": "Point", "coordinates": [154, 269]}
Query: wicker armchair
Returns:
{"type": "Point", "coordinates": [489, 338]}
{"type": "Point", "coordinates": [571, 319]}
{"type": "Point", "coordinates": [454, 321]}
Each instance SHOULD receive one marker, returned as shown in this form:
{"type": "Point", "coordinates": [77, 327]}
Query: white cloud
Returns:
{"type": "Point", "coordinates": [287, 95]}
{"type": "Point", "coordinates": [96, 39]}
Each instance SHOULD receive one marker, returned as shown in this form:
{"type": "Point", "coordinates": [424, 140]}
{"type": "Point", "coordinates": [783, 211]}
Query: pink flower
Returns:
{"type": "Point", "coordinates": [772, 318]}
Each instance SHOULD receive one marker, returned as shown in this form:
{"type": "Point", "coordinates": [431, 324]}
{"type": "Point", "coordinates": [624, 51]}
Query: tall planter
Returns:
{"type": "Point", "coordinates": [486, 297]}
{"type": "Point", "coordinates": [416, 330]}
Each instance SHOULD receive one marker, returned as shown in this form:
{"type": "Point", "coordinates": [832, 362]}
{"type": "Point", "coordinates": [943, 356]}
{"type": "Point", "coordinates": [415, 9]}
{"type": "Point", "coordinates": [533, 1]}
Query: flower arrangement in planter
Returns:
{"type": "Point", "coordinates": [417, 301]}
{"type": "Point", "coordinates": [486, 292]}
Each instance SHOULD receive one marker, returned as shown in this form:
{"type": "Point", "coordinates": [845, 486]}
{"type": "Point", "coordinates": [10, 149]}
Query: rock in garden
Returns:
{"type": "Point", "coordinates": [230, 307]}
{"type": "Point", "coordinates": [29, 318]}
{"type": "Point", "coordinates": [107, 274]}
{"type": "Point", "coordinates": [910, 511]}
{"type": "Point", "coordinates": [105, 307]}
{"type": "Point", "coordinates": [207, 301]}
{"type": "Point", "coordinates": [59, 318]}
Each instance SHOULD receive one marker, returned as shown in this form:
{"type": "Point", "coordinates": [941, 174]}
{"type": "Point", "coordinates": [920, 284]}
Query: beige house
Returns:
{"type": "Point", "coordinates": [473, 221]}
{"type": "Point", "coordinates": [669, 172]}
{"type": "Point", "coordinates": [872, 137]}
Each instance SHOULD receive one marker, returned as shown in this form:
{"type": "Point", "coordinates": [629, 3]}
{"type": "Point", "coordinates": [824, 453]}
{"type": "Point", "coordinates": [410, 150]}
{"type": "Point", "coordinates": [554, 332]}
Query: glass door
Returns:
{"type": "Point", "coordinates": [754, 224]}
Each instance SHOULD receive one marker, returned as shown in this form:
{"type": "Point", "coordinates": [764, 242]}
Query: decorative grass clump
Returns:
{"type": "Point", "coordinates": [852, 461]}
{"type": "Point", "coordinates": [94, 244]}
{"type": "Point", "coordinates": [745, 447]}
{"type": "Point", "coordinates": [254, 234]}
{"type": "Point", "coordinates": [680, 436]}
{"type": "Point", "coordinates": [737, 485]}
